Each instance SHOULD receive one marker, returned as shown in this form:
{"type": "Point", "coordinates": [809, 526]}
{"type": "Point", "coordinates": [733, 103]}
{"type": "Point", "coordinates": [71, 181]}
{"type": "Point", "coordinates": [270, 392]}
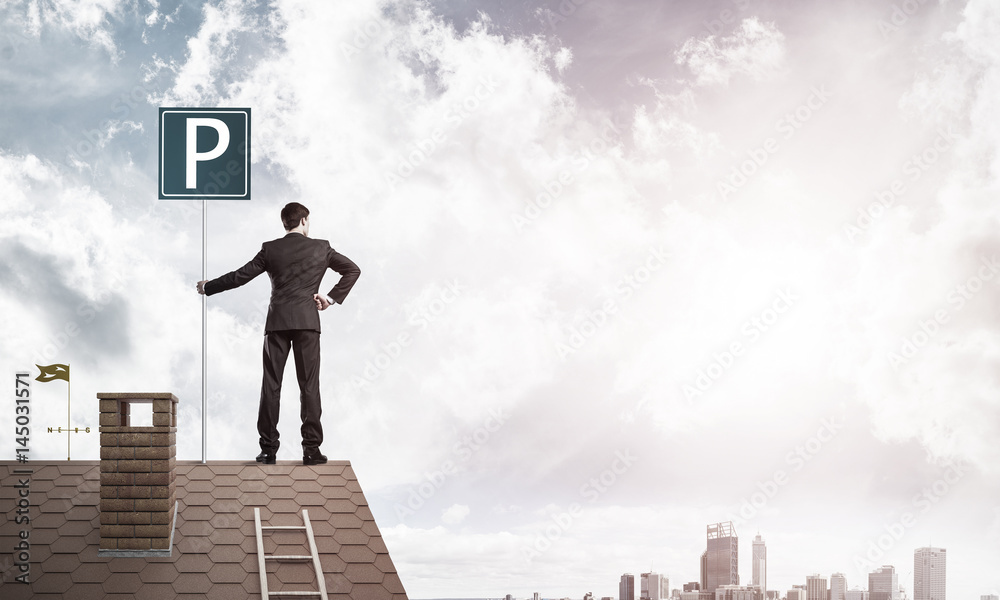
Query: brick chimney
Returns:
{"type": "Point", "coordinates": [138, 473]}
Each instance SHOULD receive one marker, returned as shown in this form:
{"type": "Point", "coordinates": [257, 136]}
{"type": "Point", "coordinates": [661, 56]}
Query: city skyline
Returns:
{"type": "Point", "coordinates": [928, 575]}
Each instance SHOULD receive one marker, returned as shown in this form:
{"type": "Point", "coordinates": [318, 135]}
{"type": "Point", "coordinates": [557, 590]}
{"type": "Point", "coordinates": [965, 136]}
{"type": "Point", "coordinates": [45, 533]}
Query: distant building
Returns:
{"type": "Point", "coordinates": [759, 573]}
{"type": "Point", "coordinates": [508, 597]}
{"type": "Point", "coordinates": [882, 584]}
{"type": "Point", "coordinates": [857, 594]}
{"type": "Point", "coordinates": [798, 592]}
{"type": "Point", "coordinates": [721, 562]}
{"type": "Point", "coordinates": [734, 592]}
{"type": "Point", "coordinates": [654, 586]}
{"type": "Point", "coordinates": [989, 597]}
{"type": "Point", "coordinates": [929, 573]}
{"type": "Point", "coordinates": [838, 587]}
{"type": "Point", "coordinates": [704, 570]}
{"type": "Point", "coordinates": [694, 591]}
{"type": "Point", "coordinates": [626, 587]}
{"type": "Point", "coordinates": [816, 587]}
{"type": "Point", "coordinates": [536, 597]}
{"type": "Point", "coordinates": [588, 596]}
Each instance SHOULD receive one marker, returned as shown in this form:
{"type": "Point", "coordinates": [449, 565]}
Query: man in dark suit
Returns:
{"type": "Point", "coordinates": [296, 265]}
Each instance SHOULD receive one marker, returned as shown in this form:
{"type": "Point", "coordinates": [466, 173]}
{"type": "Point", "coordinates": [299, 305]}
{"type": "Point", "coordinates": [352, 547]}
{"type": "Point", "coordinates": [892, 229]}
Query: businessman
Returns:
{"type": "Point", "coordinates": [296, 265]}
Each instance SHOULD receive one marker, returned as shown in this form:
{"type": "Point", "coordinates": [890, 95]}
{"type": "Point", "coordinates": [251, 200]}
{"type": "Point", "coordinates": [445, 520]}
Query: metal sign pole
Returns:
{"type": "Point", "coordinates": [68, 436]}
{"type": "Point", "coordinates": [204, 332]}
{"type": "Point", "coordinates": [178, 169]}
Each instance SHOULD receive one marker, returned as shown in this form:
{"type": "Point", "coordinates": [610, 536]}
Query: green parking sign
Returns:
{"type": "Point", "coordinates": [204, 153]}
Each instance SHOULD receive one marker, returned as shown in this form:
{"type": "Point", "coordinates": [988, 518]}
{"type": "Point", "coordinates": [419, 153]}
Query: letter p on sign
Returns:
{"type": "Point", "coordinates": [204, 153]}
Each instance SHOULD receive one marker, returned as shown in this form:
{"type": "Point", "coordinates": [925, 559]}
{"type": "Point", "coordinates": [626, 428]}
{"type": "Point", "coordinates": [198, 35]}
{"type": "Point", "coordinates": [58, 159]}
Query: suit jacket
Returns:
{"type": "Point", "coordinates": [296, 265]}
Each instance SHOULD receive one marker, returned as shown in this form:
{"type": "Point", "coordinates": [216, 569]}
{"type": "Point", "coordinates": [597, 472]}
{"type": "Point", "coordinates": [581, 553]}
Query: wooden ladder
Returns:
{"type": "Point", "coordinates": [313, 556]}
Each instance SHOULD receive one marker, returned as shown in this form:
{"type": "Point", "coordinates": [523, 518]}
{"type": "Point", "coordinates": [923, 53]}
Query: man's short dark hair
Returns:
{"type": "Point", "coordinates": [292, 215]}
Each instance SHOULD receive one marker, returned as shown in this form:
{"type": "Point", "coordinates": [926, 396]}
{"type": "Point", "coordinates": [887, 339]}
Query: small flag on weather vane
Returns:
{"type": "Point", "coordinates": [52, 372]}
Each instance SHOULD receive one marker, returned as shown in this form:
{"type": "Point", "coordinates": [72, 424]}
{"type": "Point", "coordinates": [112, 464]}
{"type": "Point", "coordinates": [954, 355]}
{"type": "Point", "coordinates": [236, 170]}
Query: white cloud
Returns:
{"type": "Point", "coordinates": [926, 290]}
{"type": "Point", "coordinates": [196, 79]}
{"type": "Point", "coordinates": [154, 14]}
{"type": "Point", "coordinates": [756, 49]}
{"type": "Point", "coordinates": [90, 20]}
{"type": "Point", "coordinates": [563, 59]}
{"type": "Point", "coordinates": [455, 514]}
{"type": "Point", "coordinates": [668, 126]}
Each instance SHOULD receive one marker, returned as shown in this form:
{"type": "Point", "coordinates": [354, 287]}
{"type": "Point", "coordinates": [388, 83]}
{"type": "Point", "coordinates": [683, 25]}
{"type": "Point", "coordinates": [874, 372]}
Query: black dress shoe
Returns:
{"type": "Point", "coordinates": [266, 457]}
{"type": "Point", "coordinates": [314, 459]}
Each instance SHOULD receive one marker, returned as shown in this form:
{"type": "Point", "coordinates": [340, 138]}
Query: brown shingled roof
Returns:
{"type": "Point", "coordinates": [215, 549]}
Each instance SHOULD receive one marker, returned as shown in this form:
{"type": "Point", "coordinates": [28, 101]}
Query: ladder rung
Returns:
{"type": "Point", "coordinates": [314, 557]}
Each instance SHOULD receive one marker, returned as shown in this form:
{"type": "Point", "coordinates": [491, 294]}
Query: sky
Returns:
{"type": "Point", "coordinates": [629, 268]}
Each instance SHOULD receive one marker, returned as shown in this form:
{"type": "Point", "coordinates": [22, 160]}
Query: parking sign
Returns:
{"type": "Point", "coordinates": [204, 153]}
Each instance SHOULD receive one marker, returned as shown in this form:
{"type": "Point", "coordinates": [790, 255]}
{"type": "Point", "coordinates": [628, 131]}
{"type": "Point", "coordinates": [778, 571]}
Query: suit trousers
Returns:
{"type": "Point", "coordinates": [305, 346]}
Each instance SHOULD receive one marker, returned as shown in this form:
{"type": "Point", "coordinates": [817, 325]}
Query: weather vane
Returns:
{"type": "Point", "coordinates": [51, 373]}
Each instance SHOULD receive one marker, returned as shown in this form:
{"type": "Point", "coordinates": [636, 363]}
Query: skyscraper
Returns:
{"type": "Point", "coordinates": [626, 588]}
{"type": "Point", "coordinates": [816, 587]}
{"type": "Point", "coordinates": [704, 570]}
{"type": "Point", "coordinates": [882, 584]}
{"type": "Point", "coordinates": [760, 564]}
{"type": "Point", "coordinates": [722, 558]}
{"type": "Point", "coordinates": [929, 573]}
{"type": "Point", "coordinates": [654, 586]}
{"type": "Point", "coordinates": [838, 587]}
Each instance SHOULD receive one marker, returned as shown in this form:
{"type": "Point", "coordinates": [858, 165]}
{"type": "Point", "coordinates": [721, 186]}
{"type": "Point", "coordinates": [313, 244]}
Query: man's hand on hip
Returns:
{"type": "Point", "coordinates": [201, 286]}
{"type": "Point", "coordinates": [322, 302]}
